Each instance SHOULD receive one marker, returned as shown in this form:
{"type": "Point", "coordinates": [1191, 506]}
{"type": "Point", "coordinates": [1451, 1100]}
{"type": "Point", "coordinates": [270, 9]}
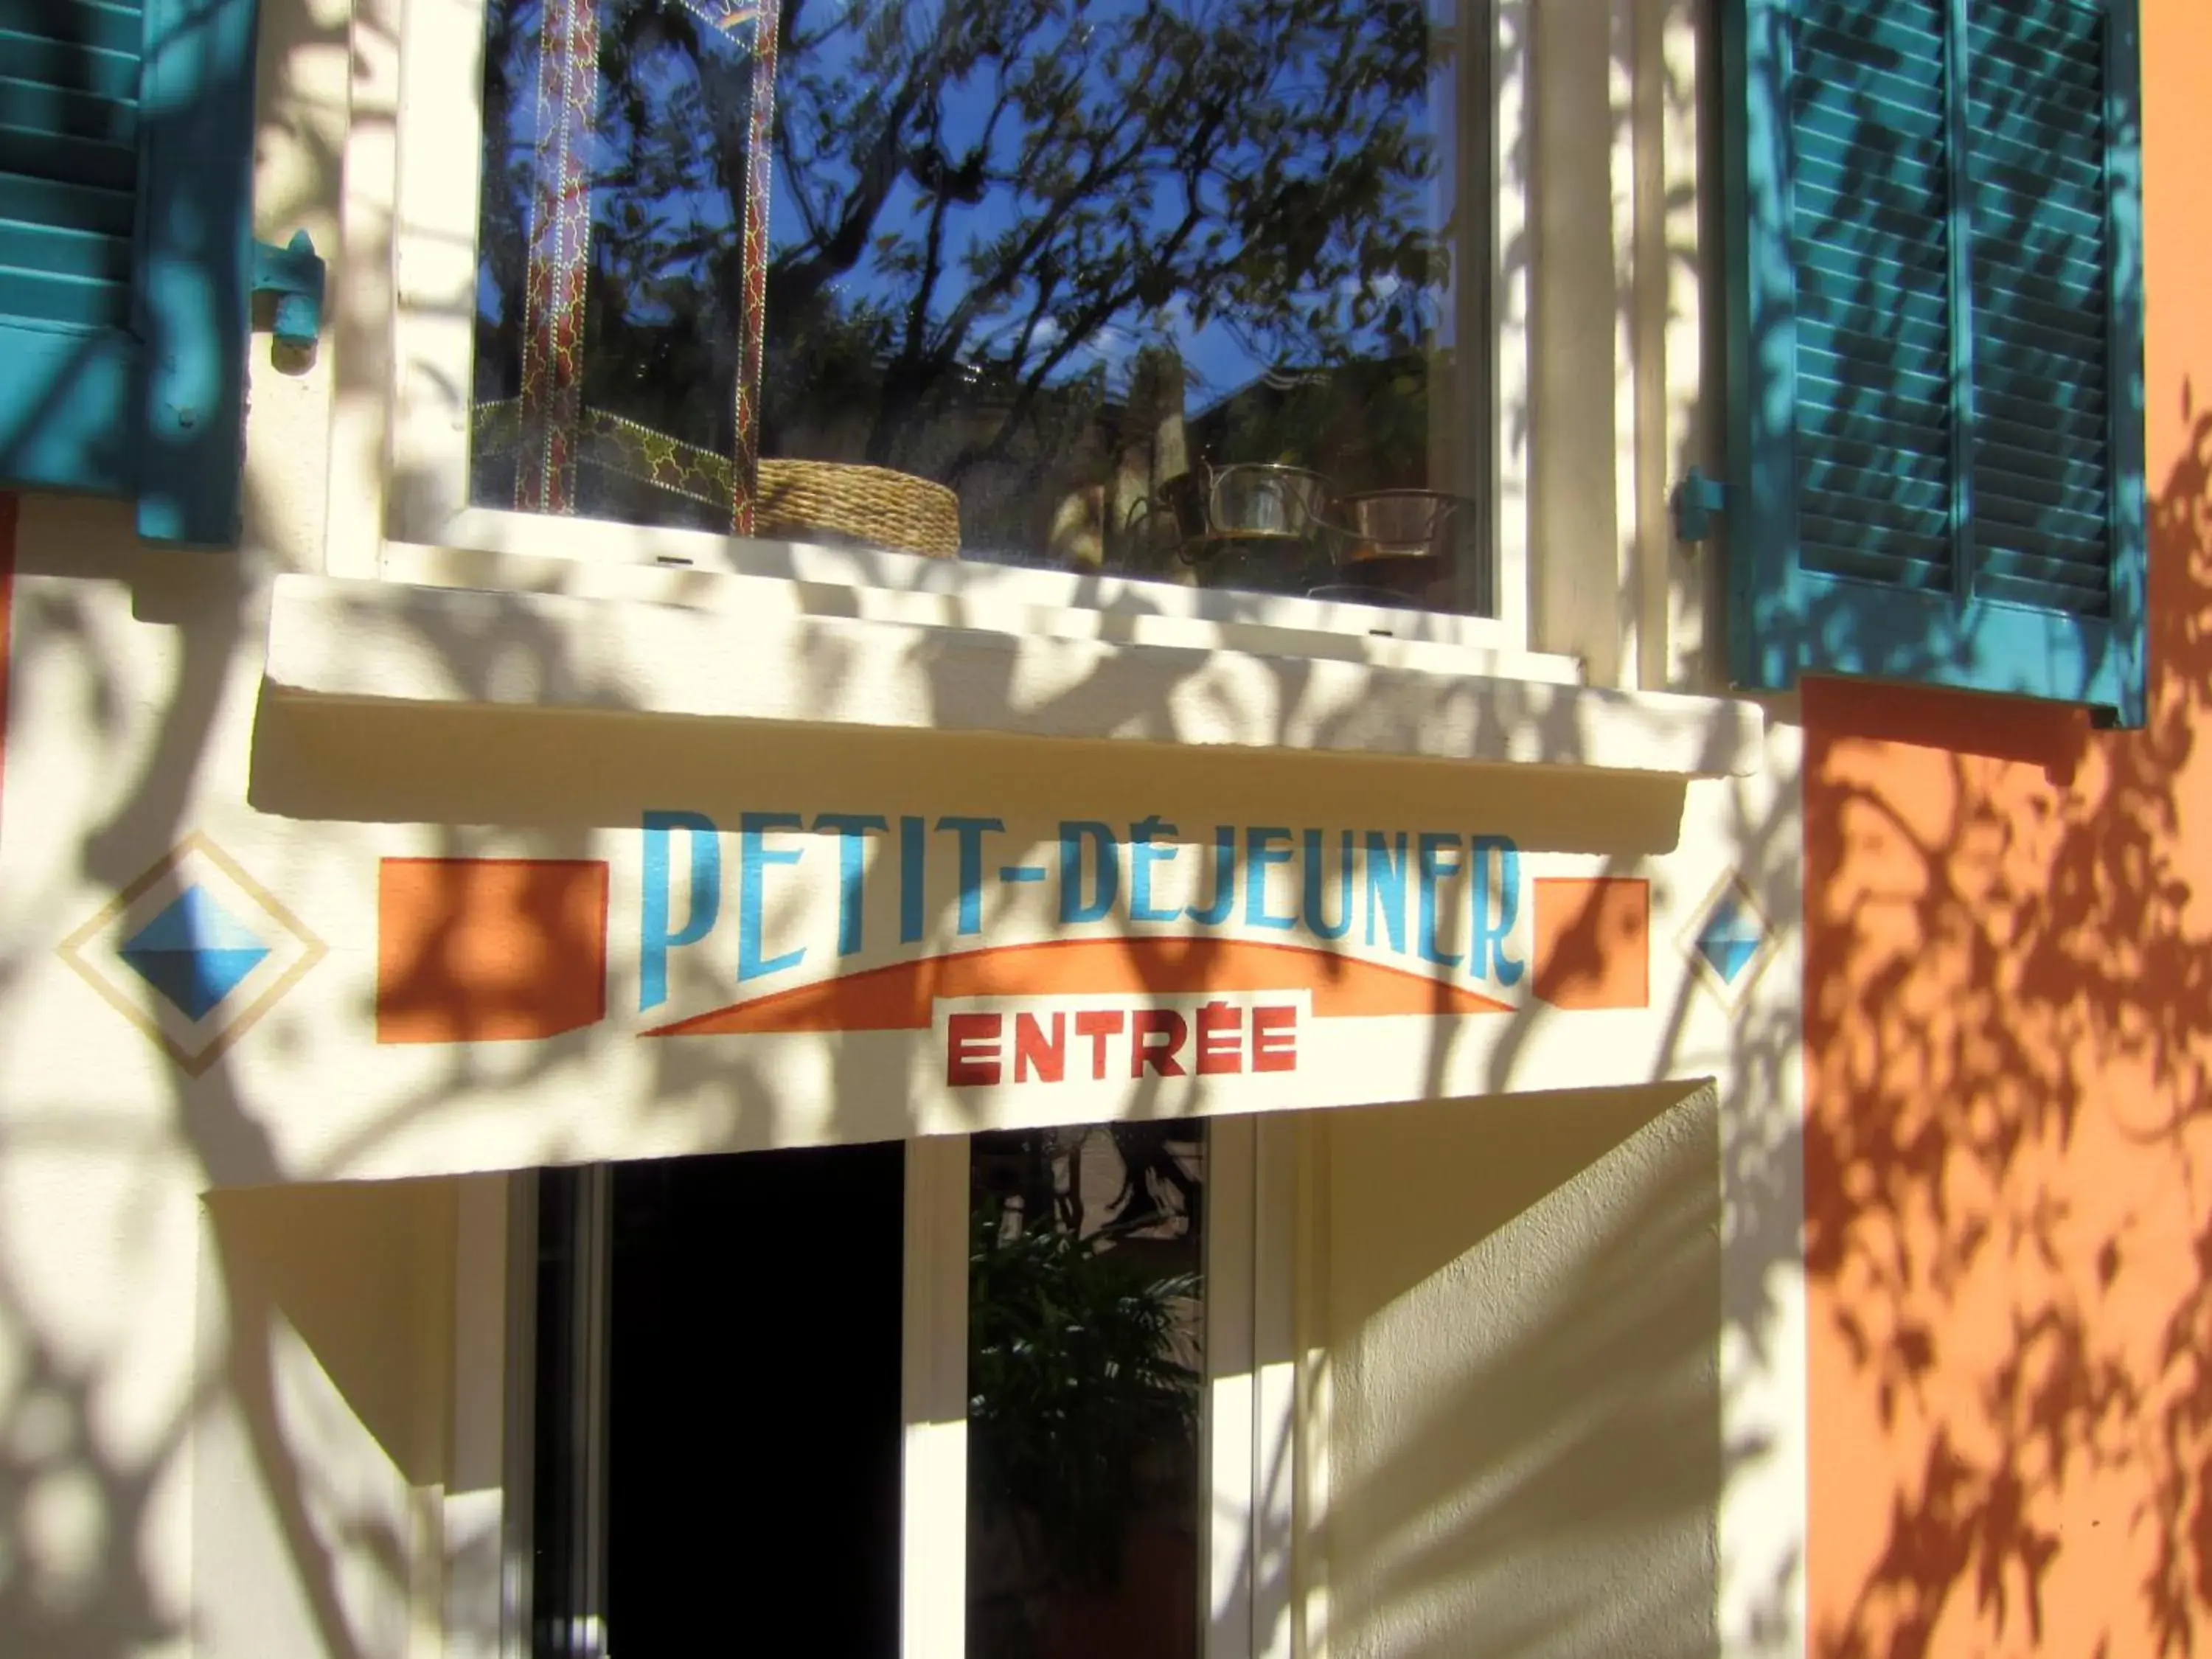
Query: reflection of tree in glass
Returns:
{"type": "Point", "coordinates": [1010, 237]}
{"type": "Point", "coordinates": [662, 126]}
{"type": "Point", "coordinates": [666, 158]}
{"type": "Point", "coordinates": [503, 245]}
{"type": "Point", "coordinates": [668, 194]}
{"type": "Point", "coordinates": [983, 201]}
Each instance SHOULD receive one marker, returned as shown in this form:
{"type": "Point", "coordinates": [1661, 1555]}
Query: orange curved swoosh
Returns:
{"type": "Point", "coordinates": [898, 998]}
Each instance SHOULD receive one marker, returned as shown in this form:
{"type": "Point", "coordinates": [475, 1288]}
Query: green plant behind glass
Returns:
{"type": "Point", "coordinates": [1072, 1378]}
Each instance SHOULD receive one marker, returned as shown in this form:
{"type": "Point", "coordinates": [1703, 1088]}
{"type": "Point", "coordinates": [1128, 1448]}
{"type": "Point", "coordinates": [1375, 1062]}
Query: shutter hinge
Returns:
{"type": "Point", "coordinates": [293, 273]}
{"type": "Point", "coordinates": [1698, 501]}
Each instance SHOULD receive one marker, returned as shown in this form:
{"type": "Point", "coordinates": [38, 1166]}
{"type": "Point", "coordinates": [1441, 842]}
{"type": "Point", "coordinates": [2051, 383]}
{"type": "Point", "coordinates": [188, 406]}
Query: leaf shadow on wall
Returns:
{"type": "Point", "coordinates": [2008, 1154]}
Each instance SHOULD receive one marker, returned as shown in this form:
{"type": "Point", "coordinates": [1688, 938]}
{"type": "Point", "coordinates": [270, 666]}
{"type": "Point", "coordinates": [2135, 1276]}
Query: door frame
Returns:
{"type": "Point", "coordinates": [1249, 1445]}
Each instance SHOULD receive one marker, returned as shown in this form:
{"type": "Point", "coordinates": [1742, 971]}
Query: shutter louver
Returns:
{"type": "Point", "coordinates": [1869, 213]}
{"type": "Point", "coordinates": [69, 159]}
{"type": "Point", "coordinates": [2042, 474]}
{"type": "Point", "coordinates": [126, 143]}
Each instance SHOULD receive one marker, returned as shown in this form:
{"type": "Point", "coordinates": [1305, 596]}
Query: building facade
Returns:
{"type": "Point", "coordinates": [568, 1052]}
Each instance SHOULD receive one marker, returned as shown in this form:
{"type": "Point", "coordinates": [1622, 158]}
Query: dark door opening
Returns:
{"type": "Point", "coordinates": [749, 1432]}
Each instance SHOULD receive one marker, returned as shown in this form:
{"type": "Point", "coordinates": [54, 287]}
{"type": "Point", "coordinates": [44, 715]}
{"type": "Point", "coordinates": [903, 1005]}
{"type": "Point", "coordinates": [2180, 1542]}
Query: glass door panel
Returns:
{"type": "Point", "coordinates": [1086, 1323]}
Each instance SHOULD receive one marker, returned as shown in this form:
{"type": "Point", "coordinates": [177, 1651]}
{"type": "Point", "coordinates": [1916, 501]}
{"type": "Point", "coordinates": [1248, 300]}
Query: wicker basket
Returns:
{"type": "Point", "coordinates": [870, 504]}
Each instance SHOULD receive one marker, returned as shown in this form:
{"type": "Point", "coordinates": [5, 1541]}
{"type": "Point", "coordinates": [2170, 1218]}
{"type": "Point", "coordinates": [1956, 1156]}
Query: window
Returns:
{"type": "Point", "coordinates": [125, 254]}
{"type": "Point", "coordinates": [723, 1426]}
{"type": "Point", "coordinates": [966, 296]}
{"type": "Point", "coordinates": [1936, 340]}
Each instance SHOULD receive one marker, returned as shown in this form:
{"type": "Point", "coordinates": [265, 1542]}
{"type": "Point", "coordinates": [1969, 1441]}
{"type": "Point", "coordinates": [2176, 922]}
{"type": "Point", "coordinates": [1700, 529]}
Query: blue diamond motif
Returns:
{"type": "Point", "coordinates": [195, 953]}
{"type": "Point", "coordinates": [1730, 939]}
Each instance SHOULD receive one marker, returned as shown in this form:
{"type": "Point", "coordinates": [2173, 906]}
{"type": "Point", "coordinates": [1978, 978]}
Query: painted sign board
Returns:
{"type": "Point", "coordinates": [1092, 961]}
{"type": "Point", "coordinates": [848, 970]}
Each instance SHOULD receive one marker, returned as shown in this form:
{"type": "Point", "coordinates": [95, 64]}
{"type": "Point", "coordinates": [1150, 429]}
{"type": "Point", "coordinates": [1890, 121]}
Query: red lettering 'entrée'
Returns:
{"type": "Point", "coordinates": [1219, 1041]}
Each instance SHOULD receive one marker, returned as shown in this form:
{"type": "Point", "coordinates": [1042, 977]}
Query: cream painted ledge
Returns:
{"type": "Point", "coordinates": [386, 641]}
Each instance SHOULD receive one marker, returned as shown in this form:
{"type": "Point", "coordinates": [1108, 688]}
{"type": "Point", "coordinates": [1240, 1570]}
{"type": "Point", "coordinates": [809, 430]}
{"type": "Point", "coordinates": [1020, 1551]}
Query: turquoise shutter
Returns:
{"type": "Point", "coordinates": [126, 251]}
{"type": "Point", "coordinates": [1936, 345]}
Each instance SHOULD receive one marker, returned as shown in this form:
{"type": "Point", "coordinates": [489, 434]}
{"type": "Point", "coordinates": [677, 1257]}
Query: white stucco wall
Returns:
{"type": "Point", "coordinates": [1524, 1302]}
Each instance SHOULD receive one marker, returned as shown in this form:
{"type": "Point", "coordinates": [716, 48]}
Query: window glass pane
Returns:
{"type": "Point", "coordinates": [1192, 290]}
{"type": "Point", "coordinates": [1086, 1329]}
{"type": "Point", "coordinates": [608, 257]}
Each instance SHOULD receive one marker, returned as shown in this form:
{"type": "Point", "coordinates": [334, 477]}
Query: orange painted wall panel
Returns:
{"type": "Point", "coordinates": [2008, 1044]}
{"type": "Point", "coordinates": [1593, 942]}
{"type": "Point", "coordinates": [490, 950]}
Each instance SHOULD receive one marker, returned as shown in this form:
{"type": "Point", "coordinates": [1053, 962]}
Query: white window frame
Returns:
{"type": "Point", "coordinates": [422, 502]}
{"type": "Point", "coordinates": [1249, 1447]}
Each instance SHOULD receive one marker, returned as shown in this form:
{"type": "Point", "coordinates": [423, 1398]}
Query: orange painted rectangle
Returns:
{"type": "Point", "coordinates": [490, 950]}
{"type": "Point", "coordinates": [1593, 942]}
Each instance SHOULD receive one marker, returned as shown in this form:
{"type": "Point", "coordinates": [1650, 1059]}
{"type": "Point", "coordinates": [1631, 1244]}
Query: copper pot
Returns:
{"type": "Point", "coordinates": [1404, 524]}
{"type": "Point", "coordinates": [1417, 542]}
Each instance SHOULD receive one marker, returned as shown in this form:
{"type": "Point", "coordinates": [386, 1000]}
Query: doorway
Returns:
{"type": "Point", "coordinates": [718, 1406]}
{"type": "Point", "coordinates": [1000, 1395]}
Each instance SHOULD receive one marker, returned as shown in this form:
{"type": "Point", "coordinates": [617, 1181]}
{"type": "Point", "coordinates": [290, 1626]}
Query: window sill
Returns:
{"type": "Point", "coordinates": [688, 644]}
{"type": "Point", "coordinates": [477, 547]}
{"type": "Point", "coordinates": [797, 581]}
